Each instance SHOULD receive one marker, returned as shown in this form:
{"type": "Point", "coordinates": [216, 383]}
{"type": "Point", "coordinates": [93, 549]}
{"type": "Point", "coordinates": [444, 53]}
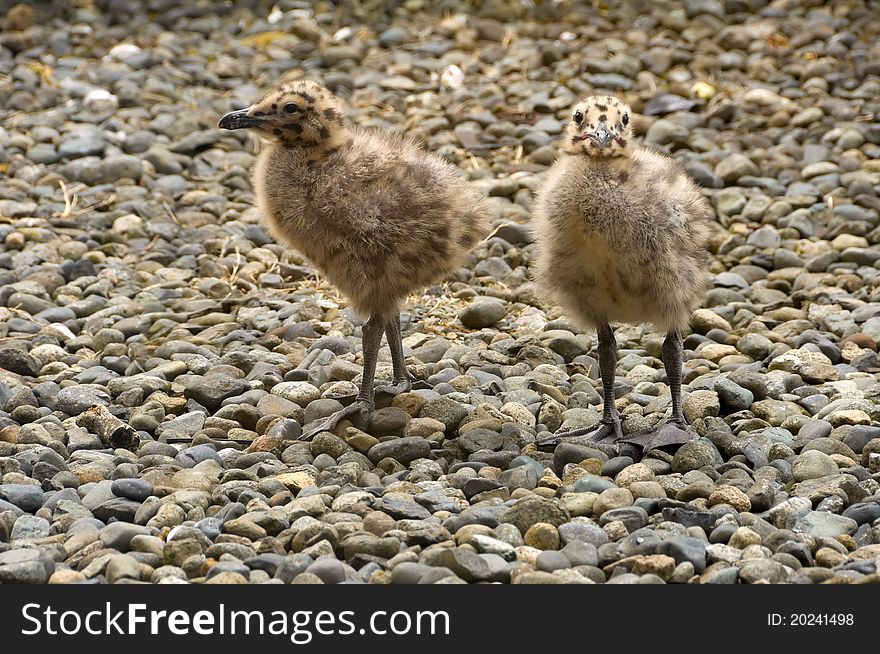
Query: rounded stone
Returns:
{"type": "Point", "coordinates": [482, 313]}
{"type": "Point", "coordinates": [612, 498]}
{"type": "Point", "coordinates": [542, 536]}
{"type": "Point", "coordinates": [695, 454]}
{"type": "Point", "coordinates": [732, 496]}
{"type": "Point", "coordinates": [813, 464]}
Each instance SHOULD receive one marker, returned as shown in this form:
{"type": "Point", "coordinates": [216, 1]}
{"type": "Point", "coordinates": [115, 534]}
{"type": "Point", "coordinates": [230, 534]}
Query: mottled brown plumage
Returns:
{"type": "Point", "coordinates": [623, 235]}
{"type": "Point", "coordinates": [377, 215]}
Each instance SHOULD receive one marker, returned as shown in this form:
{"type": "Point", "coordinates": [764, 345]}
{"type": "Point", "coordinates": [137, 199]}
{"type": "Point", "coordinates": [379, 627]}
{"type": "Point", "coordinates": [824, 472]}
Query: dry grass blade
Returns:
{"type": "Point", "coordinates": [71, 200]}
{"type": "Point", "coordinates": [234, 274]}
{"type": "Point", "coordinates": [171, 214]}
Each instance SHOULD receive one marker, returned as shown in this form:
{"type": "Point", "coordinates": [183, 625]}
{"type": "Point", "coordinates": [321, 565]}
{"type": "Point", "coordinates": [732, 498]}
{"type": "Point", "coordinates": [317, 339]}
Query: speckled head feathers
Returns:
{"type": "Point", "coordinates": [298, 114]}
{"type": "Point", "coordinates": [599, 126]}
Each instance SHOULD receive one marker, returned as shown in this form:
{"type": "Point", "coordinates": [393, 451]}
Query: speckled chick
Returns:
{"type": "Point", "coordinates": [378, 216]}
{"type": "Point", "coordinates": [623, 237]}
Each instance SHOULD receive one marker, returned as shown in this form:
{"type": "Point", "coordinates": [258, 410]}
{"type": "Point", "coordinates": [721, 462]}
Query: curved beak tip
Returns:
{"type": "Point", "coordinates": [237, 120]}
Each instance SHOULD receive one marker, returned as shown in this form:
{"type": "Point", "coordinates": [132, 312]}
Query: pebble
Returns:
{"type": "Point", "coordinates": [147, 283]}
{"type": "Point", "coordinates": [542, 536]}
{"type": "Point", "coordinates": [482, 313]}
{"type": "Point", "coordinates": [813, 464]}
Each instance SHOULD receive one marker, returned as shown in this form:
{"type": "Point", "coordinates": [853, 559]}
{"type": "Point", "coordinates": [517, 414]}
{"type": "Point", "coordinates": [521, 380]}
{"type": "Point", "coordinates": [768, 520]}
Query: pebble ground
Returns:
{"type": "Point", "coordinates": [135, 274]}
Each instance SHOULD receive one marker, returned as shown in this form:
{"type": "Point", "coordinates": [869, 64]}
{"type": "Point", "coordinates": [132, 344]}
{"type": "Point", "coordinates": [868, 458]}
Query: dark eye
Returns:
{"type": "Point", "coordinates": [290, 108]}
{"type": "Point", "coordinates": [625, 119]}
{"type": "Point", "coordinates": [578, 117]}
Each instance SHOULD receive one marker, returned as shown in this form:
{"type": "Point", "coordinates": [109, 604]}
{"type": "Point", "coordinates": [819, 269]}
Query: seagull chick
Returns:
{"type": "Point", "coordinates": [622, 235]}
{"type": "Point", "coordinates": [378, 216]}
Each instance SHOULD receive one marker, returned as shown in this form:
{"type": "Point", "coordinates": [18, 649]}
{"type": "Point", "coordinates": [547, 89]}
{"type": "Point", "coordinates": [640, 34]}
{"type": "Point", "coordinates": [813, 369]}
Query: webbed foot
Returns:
{"type": "Point", "coordinates": [606, 432]}
{"type": "Point", "coordinates": [666, 434]}
{"type": "Point", "coordinates": [358, 413]}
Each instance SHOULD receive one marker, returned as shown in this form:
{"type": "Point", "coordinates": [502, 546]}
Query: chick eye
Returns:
{"type": "Point", "coordinates": [625, 119]}
{"type": "Point", "coordinates": [290, 108]}
{"type": "Point", "coordinates": [578, 117]}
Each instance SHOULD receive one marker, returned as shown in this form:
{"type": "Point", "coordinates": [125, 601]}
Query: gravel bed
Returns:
{"type": "Point", "coordinates": [136, 276]}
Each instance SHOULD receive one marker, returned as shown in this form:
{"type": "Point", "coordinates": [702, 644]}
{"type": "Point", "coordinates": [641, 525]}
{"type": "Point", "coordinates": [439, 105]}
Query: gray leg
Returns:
{"type": "Point", "coordinates": [675, 431]}
{"type": "Point", "coordinates": [672, 361]}
{"type": "Point", "coordinates": [403, 381]}
{"type": "Point", "coordinates": [372, 331]}
{"type": "Point", "coordinates": [608, 429]}
{"type": "Point", "coordinates": [359, 411]}
{"type": "Point", "coordinates": [607, 368]}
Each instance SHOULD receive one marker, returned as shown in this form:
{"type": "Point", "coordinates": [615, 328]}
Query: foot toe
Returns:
{"type": "Point", "coordinates": [393, 389]}
{"type": "Point", "coordinates": [606, 433]}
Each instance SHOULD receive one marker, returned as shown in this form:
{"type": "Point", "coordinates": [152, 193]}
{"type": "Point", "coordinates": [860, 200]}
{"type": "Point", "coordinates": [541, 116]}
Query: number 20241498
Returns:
{"type": "Point", "coordinates": [810, 619]}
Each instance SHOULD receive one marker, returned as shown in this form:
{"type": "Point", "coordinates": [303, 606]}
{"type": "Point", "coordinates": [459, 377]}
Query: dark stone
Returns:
{"type": "Point", "coordinates": [403, 509]}
{"type": "Point", "coordinates": [551, 560]}
{"type": "Point", "coordinates": [480, 439]}
{"type": "Point", "coordinates": [859, 436]}
{"type": "Point", "coordinates": [118, 535]}
{"type": "Point", "coordinates": [572, 453]}
{"type": "Point", "coordinates": [211, 390]}
{"type": "Point", "coordinates": [132, 489]}
{"type": "Point", "coordinates": [685, 549]}
{"type": "Point", "coordinates": [633, 517]}
{"type": "Point", "coordinates": [477, 485]}
{"type": "Point", "coordinates": [117, 508]}
{"type": "Point", "coordinates": [290, 567]}
{"type": "Point", "coordinates": [21, 363]}
{"type": "Point", "coordinates": [480, 515]}
{"type": "Point", "coordinates": [863, 512]}
{"type": "Point", "coordinates": [194, 455]}
{"type": "Point", "coordinates": [405, 450]}
{"type": "Point", "coordinates": [25, 496]}
{"type": "Point", "coordinates": [689, 518]}
{"type": "Point", "coordinates": [465, 564]}
{"type": "Point", "coordinates": [722, 576]}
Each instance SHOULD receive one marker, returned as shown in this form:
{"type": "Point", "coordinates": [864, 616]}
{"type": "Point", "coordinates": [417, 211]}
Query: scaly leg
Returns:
{"type": "Point", "coordinates": [403, 380]}
{"type": "Point", "coordinates": [608, 429]}
{"type": "Point", "coordinates": [359, 411]}
{"type": "Point", "coordinates": [674, 431]}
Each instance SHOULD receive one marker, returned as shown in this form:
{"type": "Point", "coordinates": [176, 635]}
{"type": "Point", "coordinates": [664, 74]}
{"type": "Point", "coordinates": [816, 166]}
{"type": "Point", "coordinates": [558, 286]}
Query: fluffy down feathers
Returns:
{"type": "Point", "coordinates": [622, 239]}
{"type": "Point", "coordinates": [377, 215]}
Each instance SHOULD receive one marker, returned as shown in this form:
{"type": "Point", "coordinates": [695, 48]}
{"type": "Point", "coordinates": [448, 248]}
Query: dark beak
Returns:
{"type": "Point", "coordinates": [239, 120]}
{"type": "Point", "coordinates": [601, 137]}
